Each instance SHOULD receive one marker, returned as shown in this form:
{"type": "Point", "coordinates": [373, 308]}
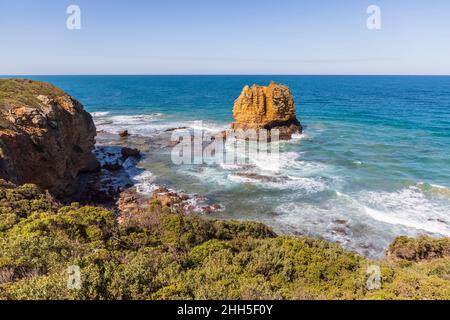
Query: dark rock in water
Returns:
{"type": "Point", "coordinates": [423, 248]}
{"type": "Point", "coordinates": [112, 166]}
{"type": "Point", "coordinates": [46, 136]}
{"type": "Point", "coordinates": [339, 231]}
{"type": "Point", "coordinates": [181, 202]}
{"type": "Point", "coordinates": [130, 152]}
{"type": "Point", "coordinates": [207, 210]}
{"type": "Point", "coordinates": [175, 129]}
{"type": "Point", "coordinates": [124, 133]}
{"type": "Point", "coordinates": [211, 209]}
{"type": "Point", "coordinates": [161, 190]}
{"type": "Point", "coordinates": [255, 176]}
{"type": "Point", "coordinates": [173, 143]}
{"type": "Point", "coordinates": [184, 197]}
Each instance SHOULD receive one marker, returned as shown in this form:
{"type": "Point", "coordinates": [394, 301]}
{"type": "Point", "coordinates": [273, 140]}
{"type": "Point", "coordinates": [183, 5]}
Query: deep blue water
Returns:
{"type": "Point", "coordinates": [373, 163]}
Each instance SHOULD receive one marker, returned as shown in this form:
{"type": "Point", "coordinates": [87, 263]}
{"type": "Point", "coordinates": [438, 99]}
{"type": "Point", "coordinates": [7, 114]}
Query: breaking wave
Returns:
{"type": "Point", "coordinates": [410, 207]}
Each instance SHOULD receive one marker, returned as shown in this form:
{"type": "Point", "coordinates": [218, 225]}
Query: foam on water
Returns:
{"type": "Point", "coordinates": [405, 210]}
{"type": "Point", "coordinates": [143, 124]}
{"type": "Point", "coordinates": [325, 221]}
{"type": "Point", "coordinates": [358, 159]}
{"type": "Point", "coordinates": [208, 175]}
{"type": "Point", "coordinates": [267, 162]}
{"type": "Point", "coordinates": [150, 124]}
{"type": "Point", "coordinates": [145, 183]}
{"type": "Point", "coordinates": [296, 138]}
{"type": "Point", "coordinates": [409, 207]}
{"type": "Point", "coordinates": [230, 167]}
{"type": "Point", "coordinates": [300, 185]}
{"type": "Point", "coordinates": [99, 114]}
{"type": "Point", "coordinates": [209, 127]}
{"type": "Point", "coordinates": [272, 162]}
{"type": "Point", "coordinates": [134, 119]}
{"type": "Point", "coordinates": [435, 190]}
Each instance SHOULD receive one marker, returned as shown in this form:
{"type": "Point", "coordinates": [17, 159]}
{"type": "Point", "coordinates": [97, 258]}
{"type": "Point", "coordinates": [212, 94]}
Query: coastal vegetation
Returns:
{"type": "Point", "coordinates": [161, 253]}
{"type": "Point", "coordinates": [159, 248]}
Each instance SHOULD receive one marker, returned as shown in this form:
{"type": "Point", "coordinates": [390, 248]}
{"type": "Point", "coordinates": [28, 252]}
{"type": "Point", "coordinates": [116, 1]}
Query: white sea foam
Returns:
{"type": "Point", "coordinates": [435, 189]}
{"type": "Point", "coordinates": [439, 186]}
{"type": "Point", "coordinates": [150, 124]}
{"type": "Point", "coordinates": [136, 124]}
{"type": "Point", "coordinates": [231, 167]}
{"type": "Point", "coordinates": [310, 219]}
{"type": "Point", "coordinates": [134, 119]}
{"type": "Point", "coordinates": [408, 207]}
{"type": "Point", "coordinates": [281, 171]}
{"type": "Point", "coordinates": [267, 162]}
{"type": "Point", "coordinates": [145, 182]}
{"type": "Point", "coordinates": [99, 114]}
{"type": "Point", "coordinates": [143, 179]}
{"type": "Point", "coordinates": [209, 175]}
{"type": "Point", "coordinates": [274, 162]}
{"type": "Point", "coordinates": [296, 138]}
{"type": "Point", "coordinates": [408, 220]}
{"type": "Point", "coordinates": [300, 185]}
{"type": "Point", "coordinates": [210, 127]}
{"type": "Point", "coordinates": [292, 163]}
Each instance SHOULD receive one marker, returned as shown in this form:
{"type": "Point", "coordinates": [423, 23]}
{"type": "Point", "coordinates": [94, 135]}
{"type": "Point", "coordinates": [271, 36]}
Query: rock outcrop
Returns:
{"type": "Point", "coordinates": [46, 137]}
{"type": "Point", "coordinates": [270, 107]}
{"type": "Point", "coordinates": [422, 248]}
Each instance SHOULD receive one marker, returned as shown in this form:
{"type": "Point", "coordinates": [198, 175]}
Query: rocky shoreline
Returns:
{"type": "Point", "coordinates": [113, 185]}
{"type": "Point", "coordinates": [257, 108]}
{"type": "Point", "coordinates": [135, 245]}
{"type": "Point", "coordinates": [46, 136]}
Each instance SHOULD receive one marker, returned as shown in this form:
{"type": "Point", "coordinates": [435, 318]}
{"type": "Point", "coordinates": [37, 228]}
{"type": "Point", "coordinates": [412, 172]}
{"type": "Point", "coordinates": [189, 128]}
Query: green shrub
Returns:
{"type": "Point", "coordinates": [165, 254]}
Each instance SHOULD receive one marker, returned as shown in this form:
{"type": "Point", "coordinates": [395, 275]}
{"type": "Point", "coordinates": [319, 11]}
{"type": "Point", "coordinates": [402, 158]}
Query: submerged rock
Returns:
{"type": "Point", "coordinates": [268, 108]}
{"type": "Point", "coordinates": [123, 133]}
{"type": "Point", "coordinates": [46, 137]}
{"type": "Point", "coordinates": [176, 129]}
{"type": "Point", "coordinates": [114, 166]}
{"type": "Point", "coordinates": [181, 202]}
{"type": "Point", "coordinates": [130, 152]}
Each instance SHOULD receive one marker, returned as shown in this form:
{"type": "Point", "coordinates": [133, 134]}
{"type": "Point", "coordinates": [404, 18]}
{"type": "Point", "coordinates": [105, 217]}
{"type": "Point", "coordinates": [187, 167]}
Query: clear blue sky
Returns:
{"type": "Point", "coordinates": [225, 37]}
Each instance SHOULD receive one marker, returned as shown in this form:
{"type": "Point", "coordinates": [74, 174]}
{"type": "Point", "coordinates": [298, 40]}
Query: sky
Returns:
{"type": "Point", "coordinates": [224, 37]}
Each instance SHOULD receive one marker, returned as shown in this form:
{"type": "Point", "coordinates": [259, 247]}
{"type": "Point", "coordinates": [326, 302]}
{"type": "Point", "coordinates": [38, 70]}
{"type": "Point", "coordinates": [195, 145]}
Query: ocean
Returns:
{"type": "Point", "coordinates": [373, 162]}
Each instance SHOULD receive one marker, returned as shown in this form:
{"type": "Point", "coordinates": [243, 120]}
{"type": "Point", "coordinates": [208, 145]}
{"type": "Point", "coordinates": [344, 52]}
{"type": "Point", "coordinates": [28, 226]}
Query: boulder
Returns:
{"type": "Point", "coordinates": [422, 248]}
{"type": "Point", "coordinates": [268, 108]}
{"type": "Point", "coordinates": [112, 166]}
{"type": "Point", "coordinates": [46, 136]}
{"type": "Point", "coordinates": [130, 152]}
{"type": "Point", "coordinates": [123, 133]}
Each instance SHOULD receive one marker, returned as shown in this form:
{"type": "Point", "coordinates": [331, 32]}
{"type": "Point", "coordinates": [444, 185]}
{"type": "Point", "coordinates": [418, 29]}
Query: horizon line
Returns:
{"type": "Point", "coordinates": [222, 74]}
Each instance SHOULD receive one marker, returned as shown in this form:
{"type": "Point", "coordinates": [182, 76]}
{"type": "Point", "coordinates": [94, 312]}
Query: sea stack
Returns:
{"type": "Point", "coordinates": [46, 136]}
{"type": "Point", "coordinates": [268, 108]}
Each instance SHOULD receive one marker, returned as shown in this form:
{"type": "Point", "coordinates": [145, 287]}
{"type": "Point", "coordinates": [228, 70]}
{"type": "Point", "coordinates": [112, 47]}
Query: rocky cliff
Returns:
{"type": "Point", "coordinates": [270, 107]}
{"type": "Point", "coordinates": [46, 137]}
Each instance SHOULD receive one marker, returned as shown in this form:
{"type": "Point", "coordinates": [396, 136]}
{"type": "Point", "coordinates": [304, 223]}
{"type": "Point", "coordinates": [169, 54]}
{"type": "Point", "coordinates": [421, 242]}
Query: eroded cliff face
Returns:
{"type": "Point", "coordinates": [46, 137]}
{"type": "Point", "coordinates": [270, 107]}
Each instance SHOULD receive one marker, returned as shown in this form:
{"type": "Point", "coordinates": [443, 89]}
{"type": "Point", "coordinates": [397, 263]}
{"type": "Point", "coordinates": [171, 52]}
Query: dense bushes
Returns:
{"type": "Point", "coordinates": [161, 254]}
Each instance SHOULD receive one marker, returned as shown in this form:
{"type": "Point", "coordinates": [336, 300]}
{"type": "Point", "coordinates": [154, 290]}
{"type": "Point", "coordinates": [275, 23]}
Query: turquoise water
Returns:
{"type": "Point", "coordinates": [373, 163]}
